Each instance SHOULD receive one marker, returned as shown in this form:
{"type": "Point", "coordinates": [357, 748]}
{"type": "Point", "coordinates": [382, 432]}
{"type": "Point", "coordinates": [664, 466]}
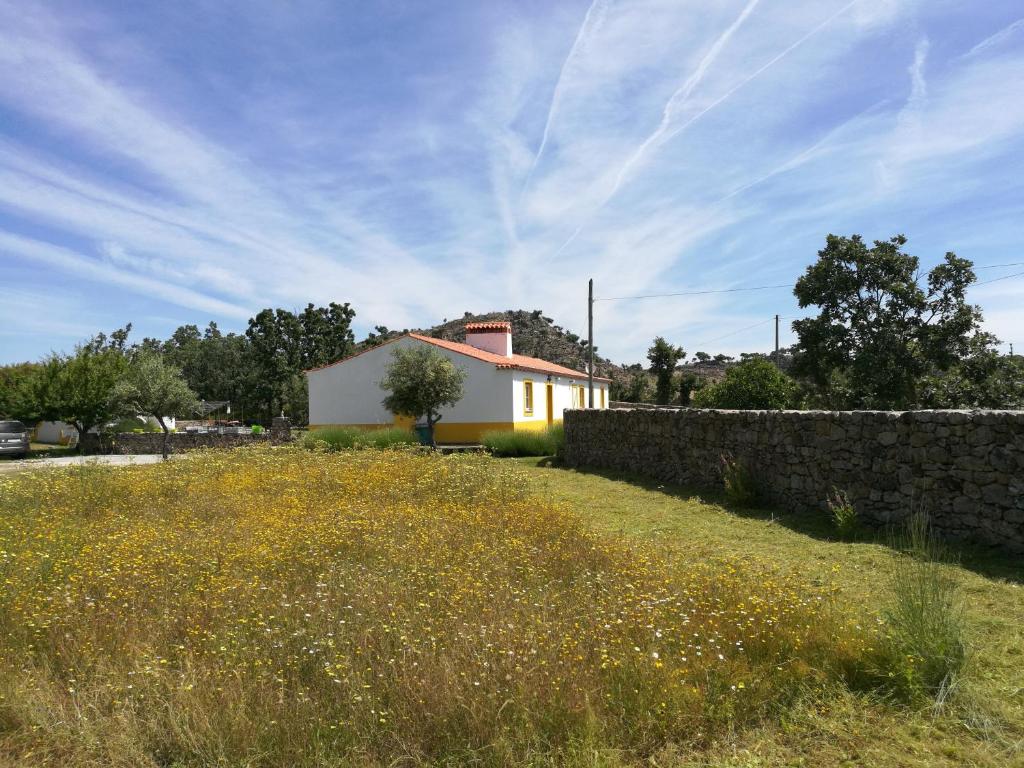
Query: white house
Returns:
{"type": "Point", "coordinates": [502, 390]}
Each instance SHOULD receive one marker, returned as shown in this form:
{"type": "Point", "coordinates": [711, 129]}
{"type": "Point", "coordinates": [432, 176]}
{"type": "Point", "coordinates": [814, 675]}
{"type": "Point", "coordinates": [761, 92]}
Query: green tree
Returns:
{"type": "Point", "coordinates": [982, 379]}
{"type": "Point", "coordinates": [275, 356]}
{"type": "Point", "coordinates": [879, 332]}
{"type": "Point", "coordinates": [664, 358]}
{"type": "Point", "coordinates": [326, 334]}
{"type": "Point", "coordinates": [78, 388]}
{"type": "Point", "coordinates": [19, 392]}
{"type": "Point", "coordinates": [151, 387]}
{"type": "Point", "coordinates": [754, 384]}
{"type": "Point", "coordinates": [688, 384]}
{"type": "Point", "coordinates": [422, 381]}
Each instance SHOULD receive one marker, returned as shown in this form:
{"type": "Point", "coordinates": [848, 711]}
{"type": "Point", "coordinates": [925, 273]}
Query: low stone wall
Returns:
{"type": "Point", "coordinates": [152, 442]}
{"type": "Point", "coordinates": [134, 443]}
{"type": "Point", "coordinates": [964, 468]}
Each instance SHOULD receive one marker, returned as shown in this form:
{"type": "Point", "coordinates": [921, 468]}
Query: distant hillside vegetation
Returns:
{"type": "Point", "coordinates": [533, 335]}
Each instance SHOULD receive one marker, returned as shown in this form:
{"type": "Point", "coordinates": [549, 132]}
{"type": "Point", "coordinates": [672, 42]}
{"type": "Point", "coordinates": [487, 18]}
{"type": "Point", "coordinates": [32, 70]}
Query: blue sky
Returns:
{"type": "Point", "coordinates": [170, 163]}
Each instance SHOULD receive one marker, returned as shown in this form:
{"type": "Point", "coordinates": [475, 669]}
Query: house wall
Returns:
{"type": "Point", "coordinates": [349, 394]}
{"type": "Point", "coordinates": [562, 391]}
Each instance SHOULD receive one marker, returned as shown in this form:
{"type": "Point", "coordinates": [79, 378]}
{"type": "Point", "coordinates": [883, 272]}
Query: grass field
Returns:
{"type": "Point", "coordinates": [279, 607]}
{"type": "Point", "coordinates": [981, 725]}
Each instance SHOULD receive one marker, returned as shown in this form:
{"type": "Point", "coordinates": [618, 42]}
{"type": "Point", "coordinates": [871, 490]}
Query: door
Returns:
{"type": "Point", "coordinates": [550, 401]}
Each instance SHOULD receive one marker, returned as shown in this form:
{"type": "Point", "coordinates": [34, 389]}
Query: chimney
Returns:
{"type": "Point", "coordinates": [490, 337]}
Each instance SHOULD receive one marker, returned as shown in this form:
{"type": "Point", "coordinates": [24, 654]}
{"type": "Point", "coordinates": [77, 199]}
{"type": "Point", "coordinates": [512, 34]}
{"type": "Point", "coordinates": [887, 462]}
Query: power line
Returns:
{"type": "Point", "coordinates": [997, 279]}
{"type": "Point", "coordinates": [733, 333]}
{"type": "Point", "coordinates": [781, 285]}
{"type": "Point", "coordinates": [693, 293]}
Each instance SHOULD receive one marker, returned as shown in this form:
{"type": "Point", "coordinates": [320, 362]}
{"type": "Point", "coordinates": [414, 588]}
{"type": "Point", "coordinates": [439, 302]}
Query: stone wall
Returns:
{"type": "Point", "coordinates": [964, 468]}
{"type": "Point", "coordinates": [133, 443]}
{"type": "Point", "coordinates": [152, 442]}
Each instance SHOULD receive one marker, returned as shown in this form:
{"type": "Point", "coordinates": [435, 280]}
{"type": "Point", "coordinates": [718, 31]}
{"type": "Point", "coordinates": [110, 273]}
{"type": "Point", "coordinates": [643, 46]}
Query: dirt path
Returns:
{"type": "Point", "coordinates": [28, 465]}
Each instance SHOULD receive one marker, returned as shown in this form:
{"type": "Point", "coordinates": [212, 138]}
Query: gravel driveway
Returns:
{"type": "Point", "coordinates": [26, 465]}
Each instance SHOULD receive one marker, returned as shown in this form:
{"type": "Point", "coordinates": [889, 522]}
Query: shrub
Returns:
{"type": "Point", "coordinates": [257, 429]}
{"type": "Point", "coordinates": [924, 615]}
{"type": "Point", "coordinates": [344, 438]}
{"type": "Point", "coordinates": [738, 481]}
{"type": "Point", "coordinates": [844, 515]}
{"type": "Point", "coordinates": [548, 442]}
{"type": "Point", "coordinates": [753, 384]}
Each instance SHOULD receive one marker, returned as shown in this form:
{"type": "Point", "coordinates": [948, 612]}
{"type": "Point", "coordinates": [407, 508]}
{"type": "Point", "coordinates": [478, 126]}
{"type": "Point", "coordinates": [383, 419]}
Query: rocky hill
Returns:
{"type": "Point", "coordinates": [533, 334]}
{"type": "Point", "coordinates": [536, 335]}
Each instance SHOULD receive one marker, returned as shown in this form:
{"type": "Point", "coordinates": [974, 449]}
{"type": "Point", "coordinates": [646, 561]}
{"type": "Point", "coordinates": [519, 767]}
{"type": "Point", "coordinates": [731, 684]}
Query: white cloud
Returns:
{"type": "Point", "coordinates": [653, 145]}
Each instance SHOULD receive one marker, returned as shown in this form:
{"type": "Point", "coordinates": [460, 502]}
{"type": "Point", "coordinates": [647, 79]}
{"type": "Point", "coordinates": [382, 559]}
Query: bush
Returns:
{"type": "Point", "coordinates": [257, 429]}
{"type": "Point", "coordinates": [346, 438]}
{"type": "Point", "coordinates": [844, 515]}
{"type": "Point", "coordinates": [924, 615]}
{"type": "Point", "coordinates": [754, 384]}
{"type": "Point", "coordinates": [740, 488]}
{"type": "Point", "coordinates": [548, 442]}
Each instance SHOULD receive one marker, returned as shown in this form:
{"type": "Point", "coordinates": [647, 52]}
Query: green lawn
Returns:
{"type": "Point", "coordinates": [981, 725]}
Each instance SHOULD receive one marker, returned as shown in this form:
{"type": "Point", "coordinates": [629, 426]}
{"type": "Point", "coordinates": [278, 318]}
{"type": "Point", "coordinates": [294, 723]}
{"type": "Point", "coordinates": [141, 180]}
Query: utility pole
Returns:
{"type": "Point", "coordinates": [777, 363]}
{"type": "Point", "coordinates": [590, 344]}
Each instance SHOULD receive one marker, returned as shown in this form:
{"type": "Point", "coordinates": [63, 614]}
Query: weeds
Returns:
{"type": "Point", "coordinates": [548, 442]}
{"type": "Point", "coordinates": [925, 615]}
{"type": "Point", "coordinates": [844, 514]}
{"type": "Point", "coordinates": [738, 482]}
{"type": "Point", "coordinates": [344, 438]}
{"type": "Point", "coordinates": [283, 607]}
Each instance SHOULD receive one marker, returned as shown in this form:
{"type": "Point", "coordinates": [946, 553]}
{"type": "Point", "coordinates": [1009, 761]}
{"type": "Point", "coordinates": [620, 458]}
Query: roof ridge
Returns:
{"type": "Point", "coordinates": [499, 361]}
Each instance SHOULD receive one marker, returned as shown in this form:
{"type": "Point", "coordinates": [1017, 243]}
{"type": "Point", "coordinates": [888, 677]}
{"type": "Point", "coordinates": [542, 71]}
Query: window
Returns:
{"type": "Point", "coordinates": [528, 398]}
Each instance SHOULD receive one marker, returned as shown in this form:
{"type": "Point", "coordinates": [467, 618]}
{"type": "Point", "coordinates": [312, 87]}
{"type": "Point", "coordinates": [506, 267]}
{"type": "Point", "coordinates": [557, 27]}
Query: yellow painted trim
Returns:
{"type": "Point", "coordinates": [444, 432]}
{"type": "Point", "coordinates": [536, 425]}
{"type": "Point", "coordinates": [356, 426]}
{"type": "Point", "coordinates": [528, 401]}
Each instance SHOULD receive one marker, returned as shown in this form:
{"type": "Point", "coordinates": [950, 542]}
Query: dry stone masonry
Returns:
{"type": "Point", "coordinates": [964, 468]}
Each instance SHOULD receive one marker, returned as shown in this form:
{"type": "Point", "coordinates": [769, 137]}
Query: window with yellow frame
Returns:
{"type": "Point", "coordinates": [528, 398]}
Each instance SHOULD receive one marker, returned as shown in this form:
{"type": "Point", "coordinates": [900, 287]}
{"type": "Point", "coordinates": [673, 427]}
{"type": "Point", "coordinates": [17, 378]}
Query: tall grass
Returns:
{"type": "Point", "coordinates": [549, 442]}
{"type": "Point", "coordinates": [925, 614]}
{"type": "Point", "coordinates": [280, 607]}
{"type": "Point", "coordinates": [738, 482]}
{"type": "Point", "coordinates": [343, 438]}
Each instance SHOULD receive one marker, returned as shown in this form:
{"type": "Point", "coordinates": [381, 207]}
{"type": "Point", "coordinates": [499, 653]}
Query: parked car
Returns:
{"type": "Point", "coordinates": [13, 439]}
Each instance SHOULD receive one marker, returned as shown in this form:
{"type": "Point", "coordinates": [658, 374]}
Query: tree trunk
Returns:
{"type": "Point", "coordinates": [81, 429]}
{"type": "Point", "coordinates": [167, 435]}
{"type": "Point", "coordinates": [431, 421]}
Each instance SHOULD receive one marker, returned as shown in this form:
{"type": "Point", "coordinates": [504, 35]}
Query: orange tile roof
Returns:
{"type": "Point", "coordinates": [492, 326]}
{"type": "Point", "coordinates": [520, 362]}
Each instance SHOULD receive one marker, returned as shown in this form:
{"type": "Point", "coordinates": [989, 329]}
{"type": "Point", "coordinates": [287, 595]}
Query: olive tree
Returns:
{"type": "Point", "coordinates": [422, 381]}
{"type": "Point", "coordinates": [151, 387]}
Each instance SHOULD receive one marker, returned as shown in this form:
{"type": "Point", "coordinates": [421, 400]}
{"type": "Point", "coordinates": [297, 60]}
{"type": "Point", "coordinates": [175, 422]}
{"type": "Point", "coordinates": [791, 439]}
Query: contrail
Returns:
{"type": "Point", "coordinates": [762, 69]}
{"type": "Point", "coordinates": [668, 134]}
{"type": "Point", "coordinates": [682, 95]}
{"type": "Point", "coordinates": [591, 23]}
